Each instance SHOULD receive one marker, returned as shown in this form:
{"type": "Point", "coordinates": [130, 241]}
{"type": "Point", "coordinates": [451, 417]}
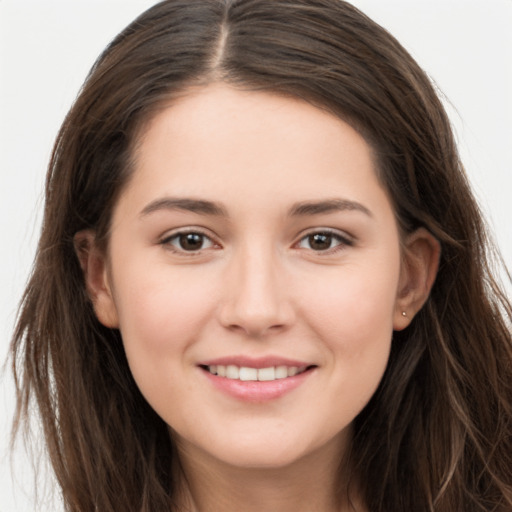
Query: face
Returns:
{"type": "Point", "coordinates": [254, 270]}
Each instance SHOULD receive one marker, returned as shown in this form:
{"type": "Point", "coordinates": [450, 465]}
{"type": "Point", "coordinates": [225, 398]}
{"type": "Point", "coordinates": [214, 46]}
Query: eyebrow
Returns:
{"type": "Point", "coordinates": [327, 206]}
{"type": "Point", "coordinates": [190, 205]}
{"type": "Point", "coordinates": [204, 207]}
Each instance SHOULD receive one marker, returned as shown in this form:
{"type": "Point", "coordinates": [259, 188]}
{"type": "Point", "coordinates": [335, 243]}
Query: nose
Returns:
{"type": "Point", "coordinates": [255, 300]}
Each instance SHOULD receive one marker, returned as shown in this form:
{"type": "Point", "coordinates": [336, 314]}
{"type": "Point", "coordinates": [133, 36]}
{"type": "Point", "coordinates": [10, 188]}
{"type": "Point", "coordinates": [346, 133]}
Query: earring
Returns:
{"type": "Point", "coordinates": [404, 313]}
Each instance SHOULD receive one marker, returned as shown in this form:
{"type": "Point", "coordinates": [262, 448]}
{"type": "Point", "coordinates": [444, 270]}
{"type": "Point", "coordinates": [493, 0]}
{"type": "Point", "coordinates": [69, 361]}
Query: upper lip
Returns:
{"type": "Point", "coordinates": [254, 362]}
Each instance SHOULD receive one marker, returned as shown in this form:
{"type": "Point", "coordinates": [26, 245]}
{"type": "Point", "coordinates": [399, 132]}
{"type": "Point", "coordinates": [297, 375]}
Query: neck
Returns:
{"type": "Point", "coordinates": [316, 482]}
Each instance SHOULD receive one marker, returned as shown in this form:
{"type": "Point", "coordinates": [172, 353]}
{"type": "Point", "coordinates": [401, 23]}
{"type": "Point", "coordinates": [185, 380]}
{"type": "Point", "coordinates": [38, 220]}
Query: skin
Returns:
{"type": "Point", "coordinates": [257, 286]}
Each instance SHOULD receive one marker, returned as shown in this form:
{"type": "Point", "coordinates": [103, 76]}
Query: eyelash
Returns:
{"type": "Point", "coordinates": [176, 237]}
{"type": "Point", "coordinates": [343, 241]}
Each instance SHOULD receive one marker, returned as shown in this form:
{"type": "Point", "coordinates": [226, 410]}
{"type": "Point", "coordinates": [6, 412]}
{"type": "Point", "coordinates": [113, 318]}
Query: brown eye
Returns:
{"type": "Point", "coordinates": [320, 241]}
{"type": "Point", "coordinates": [323, 241]}
{"type": "Point", "coordinates": [191, 241]}
{"type": "Point", "coordinates": [188, 242]}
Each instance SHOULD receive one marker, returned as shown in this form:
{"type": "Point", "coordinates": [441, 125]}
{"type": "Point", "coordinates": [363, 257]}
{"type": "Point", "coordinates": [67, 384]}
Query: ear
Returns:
{"type": "Point", "coordinates": [94, 266]}
{"type": "Point", "coordinates": [420, 262]}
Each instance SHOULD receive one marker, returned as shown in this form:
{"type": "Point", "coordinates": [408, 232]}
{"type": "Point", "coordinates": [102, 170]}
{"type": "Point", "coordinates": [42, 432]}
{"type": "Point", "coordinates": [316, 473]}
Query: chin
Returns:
{"type": "Point", "coordinates": [263, 459]}
{"type": "Point", "coordinates": [253, 451]}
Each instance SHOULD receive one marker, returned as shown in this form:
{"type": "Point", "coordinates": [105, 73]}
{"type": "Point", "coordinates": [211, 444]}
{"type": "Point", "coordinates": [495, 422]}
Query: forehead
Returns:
{"type": "Point", "coordinates": [247, 147]}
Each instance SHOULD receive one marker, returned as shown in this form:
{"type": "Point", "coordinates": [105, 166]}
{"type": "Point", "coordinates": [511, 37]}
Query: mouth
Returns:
{"type": "Point", "coordinates": [256, 380]}
{"type": "Point", "coordinates": [248, 373]}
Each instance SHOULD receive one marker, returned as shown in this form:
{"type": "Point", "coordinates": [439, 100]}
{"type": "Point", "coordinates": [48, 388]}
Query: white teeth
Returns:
{"type": "Point", "coordinates": [232, 372]}
{"type": "Point", "coordinates": [293, 370]}
{"type": "Point", "coordinates": [246, 373]}
{"type": "Point", "coordinates": [267, 373]}
{"type": "Point", "coordinates": [281, 372]}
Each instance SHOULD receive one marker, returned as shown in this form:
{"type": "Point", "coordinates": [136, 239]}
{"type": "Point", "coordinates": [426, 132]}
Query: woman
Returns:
{"type": "Point", "coordinates": [262, 282]}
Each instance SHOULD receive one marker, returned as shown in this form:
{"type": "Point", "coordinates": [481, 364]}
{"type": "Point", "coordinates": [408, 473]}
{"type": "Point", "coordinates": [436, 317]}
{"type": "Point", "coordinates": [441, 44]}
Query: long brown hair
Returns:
{"type": "Point", "coordinates": [437, 434]}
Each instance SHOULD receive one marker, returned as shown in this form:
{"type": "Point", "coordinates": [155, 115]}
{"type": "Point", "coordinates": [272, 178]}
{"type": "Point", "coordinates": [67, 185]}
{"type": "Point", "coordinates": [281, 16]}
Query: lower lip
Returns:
{"type": "Point", "coordinates": [257, 391]}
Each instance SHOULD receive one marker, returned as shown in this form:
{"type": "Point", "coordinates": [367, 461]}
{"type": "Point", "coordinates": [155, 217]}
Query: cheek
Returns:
{"type": "Point", "coordinates": [160, 308]}
{"type": "Point", "coordinates": [354, 321]}
{"type": "Point", "coordinates": [357, 301]}
{"type": "Point", "coordinates": [161, 316]}
{"type": "Point", "coordinates": [353, 316]}
{"type": "Point", "coordinates": [159, 324]}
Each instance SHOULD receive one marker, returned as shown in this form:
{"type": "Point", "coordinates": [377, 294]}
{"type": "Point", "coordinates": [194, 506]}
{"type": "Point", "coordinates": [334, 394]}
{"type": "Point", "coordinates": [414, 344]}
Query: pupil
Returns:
{"type": "Point", "coordinates": [191, 241]}
{"type": "Point", "coordinates": [320, 241]}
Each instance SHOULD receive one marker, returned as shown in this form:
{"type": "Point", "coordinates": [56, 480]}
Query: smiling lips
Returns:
{"type": "Point", "coordinates": [246, 373]}
{"type": "Point", "coordinates": [256, 380]}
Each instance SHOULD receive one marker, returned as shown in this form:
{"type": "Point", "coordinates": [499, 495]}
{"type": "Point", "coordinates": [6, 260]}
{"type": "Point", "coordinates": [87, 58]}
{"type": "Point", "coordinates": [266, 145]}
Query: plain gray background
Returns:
{"type": "Point", "coordinates": [47, 47]}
